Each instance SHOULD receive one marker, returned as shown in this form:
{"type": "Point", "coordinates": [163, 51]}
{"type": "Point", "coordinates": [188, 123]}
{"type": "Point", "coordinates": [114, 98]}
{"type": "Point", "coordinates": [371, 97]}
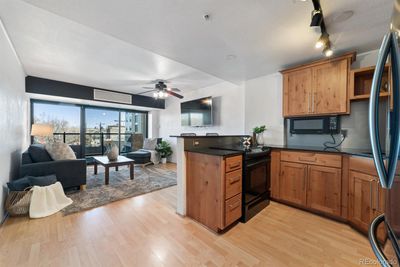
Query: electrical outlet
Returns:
{"type": "Point", "coordinates": [196, 143]}
{"type": "Point", "coordinates": [343, 132]}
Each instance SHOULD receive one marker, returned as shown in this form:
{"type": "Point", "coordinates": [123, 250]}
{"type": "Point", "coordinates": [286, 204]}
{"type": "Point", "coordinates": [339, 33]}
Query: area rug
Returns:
{"type": "Point", "coordinates": [97, 194]}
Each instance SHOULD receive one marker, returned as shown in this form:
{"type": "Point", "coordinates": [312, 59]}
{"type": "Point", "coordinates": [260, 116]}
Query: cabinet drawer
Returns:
{"type": "Point", "coordinates": [312, 158]}
{"type": "Point", "coordinates": [233, 163]}
{"type": "Point", "coordinates": [233, 209]}
{"type": "Point", "coordinates": [233, 183]}
{"type": "Point", "coordinates": [364, 165]}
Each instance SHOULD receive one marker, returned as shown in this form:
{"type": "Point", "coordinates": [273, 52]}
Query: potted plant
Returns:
{"type": "Point", "coordinates": [258, 134]}
{"type": "Point", "coordinates": [165, 150]}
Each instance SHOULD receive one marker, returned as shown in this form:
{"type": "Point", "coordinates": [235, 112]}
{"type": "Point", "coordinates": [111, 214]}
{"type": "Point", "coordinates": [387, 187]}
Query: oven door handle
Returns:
{"type": "Point", "coordinates": [259, 162]}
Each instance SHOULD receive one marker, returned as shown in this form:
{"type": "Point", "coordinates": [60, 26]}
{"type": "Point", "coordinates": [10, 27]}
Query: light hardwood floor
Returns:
{"type": "Point", "coordinates": [146, 231]}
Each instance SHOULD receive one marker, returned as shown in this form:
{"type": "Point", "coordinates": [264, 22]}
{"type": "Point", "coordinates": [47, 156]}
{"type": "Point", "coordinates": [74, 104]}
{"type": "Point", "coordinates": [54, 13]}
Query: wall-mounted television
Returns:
{"type": "Point", "coordinates": [197, 113]}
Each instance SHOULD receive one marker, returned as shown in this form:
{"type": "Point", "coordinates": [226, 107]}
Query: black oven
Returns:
{"type": "Point", "coordinates": [315, 125]}
{"type": "Point", "coordinates": [256, 182]}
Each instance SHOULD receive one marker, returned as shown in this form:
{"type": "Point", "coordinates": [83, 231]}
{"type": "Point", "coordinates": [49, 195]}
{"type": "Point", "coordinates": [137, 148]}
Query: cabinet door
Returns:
{"type": "Point", "coordinates": [361, 200]}
{"type": "Point", "coordinates": [324, 189]}
{"type": "Point", "coordinates": [297, 92]}
{"type": "Point", "coordinates": [330, 88]}
{"type": "Point", "coordinates": [292, 183]}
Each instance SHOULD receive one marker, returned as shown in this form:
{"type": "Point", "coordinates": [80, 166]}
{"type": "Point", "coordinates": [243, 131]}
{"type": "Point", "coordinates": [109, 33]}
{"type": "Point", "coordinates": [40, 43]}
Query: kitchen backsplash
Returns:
{"type": "Point", "coordinates": [356, 125]}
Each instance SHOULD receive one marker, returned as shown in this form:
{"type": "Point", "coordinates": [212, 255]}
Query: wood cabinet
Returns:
{"type": "Point", "coordinates": [318, 88]}
{"type": "Point", "coordinates": [330, 87]}
{"type": "Point", "coordinates": [324, 189]}
{"type": "Point", "coordinates": [361, 209]}
{"type": "Point", "coordinates": [292, 183]}
{"type": "Point", "coordinates": [308, 179]}
{"type": "Point", "coordinates": [366, 196]}
{"type": "Point", "coordinates": [213, 190]}
{"type": "Point", "coordinates": [297, 92]}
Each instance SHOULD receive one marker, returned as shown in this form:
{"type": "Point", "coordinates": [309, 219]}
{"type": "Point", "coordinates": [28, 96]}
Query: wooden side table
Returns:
{"type": "Point", "coordinates": [121, 161]}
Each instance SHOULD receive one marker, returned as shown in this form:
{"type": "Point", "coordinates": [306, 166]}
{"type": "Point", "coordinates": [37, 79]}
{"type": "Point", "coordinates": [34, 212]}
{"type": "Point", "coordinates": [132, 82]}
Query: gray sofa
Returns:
{"type": "Point", "coordinates": [37, 162]}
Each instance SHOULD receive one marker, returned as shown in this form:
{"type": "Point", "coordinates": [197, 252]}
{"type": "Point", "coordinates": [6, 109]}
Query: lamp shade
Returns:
{"type": "Point", "coordinates": [39, 129]}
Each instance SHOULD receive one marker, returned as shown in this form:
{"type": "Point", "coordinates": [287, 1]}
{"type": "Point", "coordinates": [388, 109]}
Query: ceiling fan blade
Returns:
{"type": "Point", "coordinates": [175, 94]}
{"type": "Point", "coordinates": [173, 89]}
{"type": "Point", "coordinates": [148, 87]}
{"type": "Point", "coordinates": [142, 93]}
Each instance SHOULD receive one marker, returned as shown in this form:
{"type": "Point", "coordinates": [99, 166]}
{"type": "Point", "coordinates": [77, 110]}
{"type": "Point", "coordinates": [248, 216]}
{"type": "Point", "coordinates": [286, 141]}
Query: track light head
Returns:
{"type": "Point", "coordinates": [323, 39]}
{"type": "Point", "coordinates": [316, 18]}
{"type": "Point", "coordinates": [328, 50]}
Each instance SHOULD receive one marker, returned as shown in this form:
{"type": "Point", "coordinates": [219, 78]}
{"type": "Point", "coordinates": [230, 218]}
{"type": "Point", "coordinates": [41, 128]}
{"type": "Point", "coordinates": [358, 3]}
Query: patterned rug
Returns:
{"type": "Point", "coordinates": [97, 194]}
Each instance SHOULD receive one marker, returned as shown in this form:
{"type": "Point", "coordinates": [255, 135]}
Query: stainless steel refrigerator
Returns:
{"type": "Point", "coordinates": [386, 157]}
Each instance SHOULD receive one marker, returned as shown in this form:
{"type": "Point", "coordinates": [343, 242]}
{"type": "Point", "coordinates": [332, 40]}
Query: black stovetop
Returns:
{"type": "Point", "coordinates": [248, 153]}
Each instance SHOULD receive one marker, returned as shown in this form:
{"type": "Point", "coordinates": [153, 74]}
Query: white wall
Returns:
{"type": "Point", "coordinates": [228, 105]}
{"type": "Point", "coordinates": [263, 106]}
{"type": "Point", "coordinates": [14, 110]}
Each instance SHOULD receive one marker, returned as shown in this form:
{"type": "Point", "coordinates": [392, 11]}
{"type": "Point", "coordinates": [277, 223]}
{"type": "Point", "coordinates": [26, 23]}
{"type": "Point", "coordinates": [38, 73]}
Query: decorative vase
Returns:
{"type": "Point", "coordinates": [163, 160]}
{"type": "Point", "coordinates": [260, 138]}
{"type": "Point", "coordinates": [254, 140]}
{"type": "Point", "coordinates": [112, 152]}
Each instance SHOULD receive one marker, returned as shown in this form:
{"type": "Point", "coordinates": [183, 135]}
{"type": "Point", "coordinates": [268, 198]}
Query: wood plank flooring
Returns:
{"type": "Point", "coordinates": [146, 231]}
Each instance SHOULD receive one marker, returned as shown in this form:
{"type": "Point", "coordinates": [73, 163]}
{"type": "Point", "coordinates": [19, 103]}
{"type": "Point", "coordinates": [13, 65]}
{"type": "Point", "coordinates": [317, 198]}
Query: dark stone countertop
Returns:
{"type": "Point", "coordinates": [214, 152]}
{"type": "Point", "coordinates": [350, 151]}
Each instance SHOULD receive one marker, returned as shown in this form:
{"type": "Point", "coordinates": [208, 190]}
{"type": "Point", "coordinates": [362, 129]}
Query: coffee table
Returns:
{"type": "Point", "coordinates": [121, 161]}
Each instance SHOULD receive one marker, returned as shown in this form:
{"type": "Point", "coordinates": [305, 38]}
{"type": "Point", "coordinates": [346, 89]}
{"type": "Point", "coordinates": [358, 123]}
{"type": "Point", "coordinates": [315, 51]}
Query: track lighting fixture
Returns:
{"type": "Point", "coordinates": [316, 18]}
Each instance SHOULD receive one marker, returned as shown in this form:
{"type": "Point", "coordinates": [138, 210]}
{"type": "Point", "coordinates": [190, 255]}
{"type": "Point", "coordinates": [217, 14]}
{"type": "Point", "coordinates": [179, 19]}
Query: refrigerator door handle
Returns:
{"type": "Point", "coordinates": [395, 128]}
{"type": "Point", "coordinates": [373, 240]}
{"type": "Point", "coordinates": [373, 115]}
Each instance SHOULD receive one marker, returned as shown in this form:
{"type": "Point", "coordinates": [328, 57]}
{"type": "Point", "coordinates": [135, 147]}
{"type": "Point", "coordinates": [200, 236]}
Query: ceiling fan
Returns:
{"type": "Point", "coordinates": [161, 90]}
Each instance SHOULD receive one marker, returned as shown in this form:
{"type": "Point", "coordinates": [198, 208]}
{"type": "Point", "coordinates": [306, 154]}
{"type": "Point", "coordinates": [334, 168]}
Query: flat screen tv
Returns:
{"type": "Point", "coordinates": [197, 113]}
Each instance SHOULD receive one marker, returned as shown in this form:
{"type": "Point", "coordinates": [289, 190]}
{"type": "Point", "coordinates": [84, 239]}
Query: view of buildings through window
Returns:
{"type": "Point", "coordinates": [101, 125]}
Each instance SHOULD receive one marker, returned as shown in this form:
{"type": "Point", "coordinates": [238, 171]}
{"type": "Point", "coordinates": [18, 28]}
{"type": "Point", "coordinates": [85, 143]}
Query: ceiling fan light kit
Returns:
{"type": "Point", "coordinates": [161, 91]}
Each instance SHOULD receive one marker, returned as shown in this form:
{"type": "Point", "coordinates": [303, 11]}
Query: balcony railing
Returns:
{"type": "Point", "coordinates": [95, 142]}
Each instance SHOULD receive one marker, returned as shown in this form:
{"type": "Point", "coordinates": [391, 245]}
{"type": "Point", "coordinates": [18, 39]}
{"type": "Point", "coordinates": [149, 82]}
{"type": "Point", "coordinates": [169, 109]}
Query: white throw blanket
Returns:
{"type": "Point", "coordinates": [155, 158]}
{"type": "Point", "coordinates": [47, 200]}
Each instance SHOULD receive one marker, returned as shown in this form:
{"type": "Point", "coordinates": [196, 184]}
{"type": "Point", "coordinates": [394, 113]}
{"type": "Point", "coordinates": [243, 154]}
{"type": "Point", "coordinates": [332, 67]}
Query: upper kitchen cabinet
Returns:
{"type": "Point", "coordinates": [317, 88]}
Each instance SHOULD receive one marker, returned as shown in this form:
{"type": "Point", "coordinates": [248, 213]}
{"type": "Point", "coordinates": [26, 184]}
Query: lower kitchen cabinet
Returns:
{"type": "Point", "coordinates": [312, 186]}
{"type": "Point", "coordinates": [361, 202]}
{"type": "Point", "coordinates": [213, 189]}
{"type": "Point", "coordinates": [324, 189]}
{"type": "Point", "coordinates": [292, 182]}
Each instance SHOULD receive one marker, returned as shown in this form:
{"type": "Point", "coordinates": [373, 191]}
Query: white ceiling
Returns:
{"type": "Point", "coordinates": [110, 43]}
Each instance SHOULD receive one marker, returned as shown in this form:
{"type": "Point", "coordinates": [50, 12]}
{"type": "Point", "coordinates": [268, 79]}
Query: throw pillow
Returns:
{"type": "Point", "coordinates": [150, 143]}
{"type": "Point", "coordinates": [38, 153]}
{"type": "Point", "coordinates": [19, 184]}
{"type": "Point", "coordinates": [42, 180]}
{"type": "Point", "coordinates": [60, 151]}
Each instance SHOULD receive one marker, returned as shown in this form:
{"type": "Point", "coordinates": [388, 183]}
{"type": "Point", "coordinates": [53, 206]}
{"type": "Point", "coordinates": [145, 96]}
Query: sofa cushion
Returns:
{"type": "Point", "coordinates": [42, 180]}
{"type": "Point", "coordinates": [38, 153]}
{"type": "Point", "coordinates": [60, 151]}
{"type": "Point", "coordinates": [19, 185]}
{"type": "Point", "coordinates": [150, 143]}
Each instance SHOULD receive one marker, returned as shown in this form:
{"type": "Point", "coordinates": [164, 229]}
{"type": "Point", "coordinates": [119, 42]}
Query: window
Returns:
{"type": "Point", "coordinates": [64, 118]}
{"type": "Point", "coordinates": [100, 125]}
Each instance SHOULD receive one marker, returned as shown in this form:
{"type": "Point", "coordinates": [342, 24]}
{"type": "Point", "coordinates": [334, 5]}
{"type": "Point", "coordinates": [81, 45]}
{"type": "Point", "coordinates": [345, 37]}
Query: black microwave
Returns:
{"type": "Point", "coordinates": [315, 125]}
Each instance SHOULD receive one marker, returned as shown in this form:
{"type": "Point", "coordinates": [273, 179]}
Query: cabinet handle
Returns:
{"type": "Point", "coordinates": [234, 165]}
{"type": "Point", "coordinates": [313, 101]}
{"type": "Point", "coordinates": [370, 195]}
{"type": "Point", "coordinates": [234, 206]}
{"type": "Point", "coordinates": [234, 180]}
{"type": "Point", "coordinates": [304, 180]}
{"type": "Point", "coordinates": [377, 196]}
{"type": "Point", "coordinates": [309, 101]}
